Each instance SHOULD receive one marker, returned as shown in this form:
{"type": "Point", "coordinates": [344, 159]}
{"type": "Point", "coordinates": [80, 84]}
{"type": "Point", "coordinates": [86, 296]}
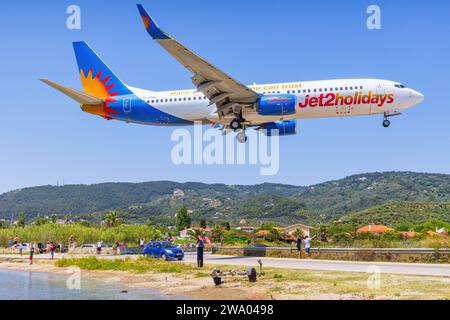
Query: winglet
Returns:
{"type": "Point", "coordinates": [151, 27]}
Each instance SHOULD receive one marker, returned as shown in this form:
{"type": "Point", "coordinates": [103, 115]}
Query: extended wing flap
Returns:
{"type": "Point", "coordinates": [76, 95]}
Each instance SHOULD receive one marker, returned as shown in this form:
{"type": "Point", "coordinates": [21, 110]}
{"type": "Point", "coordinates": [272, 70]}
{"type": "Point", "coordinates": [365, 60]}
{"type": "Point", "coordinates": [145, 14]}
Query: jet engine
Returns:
{"type": "Point", "coordinates": [280, 128]}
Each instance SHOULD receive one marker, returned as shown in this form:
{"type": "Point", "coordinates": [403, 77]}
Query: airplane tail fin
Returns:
{"type": "Point", "coordinates": [97, 78]}
{"type": "Point", "coordinates": [80, 97]}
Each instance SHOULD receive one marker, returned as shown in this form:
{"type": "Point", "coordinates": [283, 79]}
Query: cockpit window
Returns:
{"type": "Point", "coordinates": [399, 86]}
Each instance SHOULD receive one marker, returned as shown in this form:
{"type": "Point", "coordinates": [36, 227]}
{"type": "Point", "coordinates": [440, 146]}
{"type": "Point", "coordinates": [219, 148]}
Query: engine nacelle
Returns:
{"type": "Point", "coordinates": [276, 105]}
{"type": "Point", "coordinates": [280, 128]}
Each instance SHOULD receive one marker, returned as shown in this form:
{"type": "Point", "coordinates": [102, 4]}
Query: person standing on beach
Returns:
{"type": "Point", "coordinates": [308, 245]}
{"type": "Point", "coordinates": [299, 243]}
{"type": "Point", "coordinates": [115, 247]}
{"type": "Point", "coordinates": [52, 248]}
{"type": "Point", "coordinates": [31, 254]}
{"type": "Point", "coordinates": [141, 243]}
{"type": "Point", "coordinates": [99, 247]}
{"type": "Point", "coordinates": [200, 250]}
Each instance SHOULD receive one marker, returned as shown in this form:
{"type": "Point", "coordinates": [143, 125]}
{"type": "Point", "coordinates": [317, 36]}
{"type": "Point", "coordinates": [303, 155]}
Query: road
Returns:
{"type": "Point", "coordinates": [328, 265]}
{"type": "Point", "coordinates": [287, 263]}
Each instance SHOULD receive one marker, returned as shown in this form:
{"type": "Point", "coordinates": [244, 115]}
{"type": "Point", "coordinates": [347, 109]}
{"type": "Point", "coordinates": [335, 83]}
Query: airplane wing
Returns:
{"type": "Point", "coordinates": [229, 95]}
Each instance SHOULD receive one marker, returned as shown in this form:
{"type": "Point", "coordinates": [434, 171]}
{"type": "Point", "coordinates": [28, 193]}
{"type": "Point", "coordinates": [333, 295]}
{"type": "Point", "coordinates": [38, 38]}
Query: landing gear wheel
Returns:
{"type": "Point", "coordinates": [241, 137]}
{"type": "Point", "coordinates": [386, 123]}
{"type": "Point", "coordinates": [235, 125]}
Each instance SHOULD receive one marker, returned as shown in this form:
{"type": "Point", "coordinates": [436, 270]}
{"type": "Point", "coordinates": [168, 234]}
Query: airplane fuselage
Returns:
{"type": "Point", "coordinates": [313, 99]}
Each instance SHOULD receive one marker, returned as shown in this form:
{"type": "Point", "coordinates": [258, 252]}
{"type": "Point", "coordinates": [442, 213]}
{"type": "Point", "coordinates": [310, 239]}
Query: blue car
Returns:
{"type": "Point", "coordinates": [163, 250]}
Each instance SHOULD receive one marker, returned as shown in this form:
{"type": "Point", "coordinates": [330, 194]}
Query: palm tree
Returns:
{"type": "Point", "coordinates": [298, 233]}
{"type": "Point", "coordinates": [112, 219]}
{"type": "Point", "coordinates": [195, 233]}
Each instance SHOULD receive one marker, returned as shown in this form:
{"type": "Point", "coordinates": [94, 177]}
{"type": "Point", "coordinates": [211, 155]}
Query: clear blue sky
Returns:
{"type": "Point", "coordinates": [45, 137]}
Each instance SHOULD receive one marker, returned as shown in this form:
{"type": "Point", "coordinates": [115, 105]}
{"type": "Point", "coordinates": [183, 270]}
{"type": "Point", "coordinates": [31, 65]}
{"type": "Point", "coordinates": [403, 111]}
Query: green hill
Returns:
{"type": "Point", "coordinates": [399, 214]}
{"type": "Point", "coordinates": [277, 203]}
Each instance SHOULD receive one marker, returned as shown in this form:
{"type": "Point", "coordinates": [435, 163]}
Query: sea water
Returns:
{"type": "Point", "coordinates": [27, 285]}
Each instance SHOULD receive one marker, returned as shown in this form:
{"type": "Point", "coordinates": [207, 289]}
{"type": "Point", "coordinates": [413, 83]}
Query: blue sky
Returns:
{"type": "Point", "coordinates": [45, 138]}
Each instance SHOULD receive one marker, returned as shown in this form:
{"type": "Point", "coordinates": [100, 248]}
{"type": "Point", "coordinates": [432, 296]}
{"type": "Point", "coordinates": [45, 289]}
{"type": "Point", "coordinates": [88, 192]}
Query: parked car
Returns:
{"type": "Point", "coordinates": [163, 250]}
{"type": "Point", "coordinates": [24, 246]}
{"type": "Point", "coordinates": [94, 246]}
{"type": "Point", "coordinates": [88, 246]}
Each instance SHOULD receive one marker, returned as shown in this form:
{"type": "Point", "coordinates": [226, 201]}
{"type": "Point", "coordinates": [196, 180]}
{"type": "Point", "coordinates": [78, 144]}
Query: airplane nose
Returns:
{"type": "Point", "coordinates": [416, 97]}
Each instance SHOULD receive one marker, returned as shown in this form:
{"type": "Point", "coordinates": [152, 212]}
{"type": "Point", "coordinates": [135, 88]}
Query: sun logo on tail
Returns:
{"type": "Point", "coordinates": [99, 88]}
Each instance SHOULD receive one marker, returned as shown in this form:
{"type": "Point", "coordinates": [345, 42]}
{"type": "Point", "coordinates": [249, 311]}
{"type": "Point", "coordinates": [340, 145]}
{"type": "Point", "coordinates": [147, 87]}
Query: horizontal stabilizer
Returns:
{"type": "Point", "coordinates": [76, 95]}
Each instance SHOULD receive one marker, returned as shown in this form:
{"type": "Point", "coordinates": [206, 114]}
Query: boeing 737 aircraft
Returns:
{"type": "Point", "coordinates": [221, 100]}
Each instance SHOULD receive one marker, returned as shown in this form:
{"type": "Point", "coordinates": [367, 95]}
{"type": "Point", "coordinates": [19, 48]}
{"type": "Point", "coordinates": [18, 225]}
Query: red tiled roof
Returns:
{"type": "Point", "coordinates": [374, 228]}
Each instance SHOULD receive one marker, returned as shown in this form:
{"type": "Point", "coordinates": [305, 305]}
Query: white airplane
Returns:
{"type": "Point", "coordinates": [221, 100]}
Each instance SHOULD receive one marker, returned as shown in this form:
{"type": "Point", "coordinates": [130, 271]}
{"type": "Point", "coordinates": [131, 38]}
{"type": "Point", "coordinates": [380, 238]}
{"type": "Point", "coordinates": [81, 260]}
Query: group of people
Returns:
{"type": "Point", "coordinates": [307, 240]}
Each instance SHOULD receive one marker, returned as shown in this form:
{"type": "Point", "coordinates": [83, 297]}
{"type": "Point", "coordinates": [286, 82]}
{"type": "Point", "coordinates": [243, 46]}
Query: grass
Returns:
{"type": "Point", "coordinates": [136, 265]}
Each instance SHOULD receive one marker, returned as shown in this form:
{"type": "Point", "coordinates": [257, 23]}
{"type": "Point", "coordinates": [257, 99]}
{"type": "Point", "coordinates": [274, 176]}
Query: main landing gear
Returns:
{"type": "Point", "coordinates": [236, 126]}
{"type": "Point", "coordinates": [386, 123]}
{"type": "Point", "coordinates": [241, 136]}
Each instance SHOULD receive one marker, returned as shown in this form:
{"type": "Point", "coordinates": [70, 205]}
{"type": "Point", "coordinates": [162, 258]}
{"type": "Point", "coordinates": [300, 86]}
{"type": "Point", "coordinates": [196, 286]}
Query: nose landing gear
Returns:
{"type": "Point", "coordinates": [386, 122]}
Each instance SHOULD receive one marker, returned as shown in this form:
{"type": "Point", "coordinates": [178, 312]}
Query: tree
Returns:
{"type": "Point", "coordinates": [298, 233]}
{"type": "Point", "coordinates": [39, 221]}
{"type": "Point", "coordinates": [203, 223]}
{"type": "Point", "coordinates": [226, 225]}
{"type": "Point", "coordinates": [217, 232]}
{"type": "Point", "coordinates": [273, 235]}
{"type": "Point", "coordinates": [323, 233]}
{"type": "Point", "coordinates": [21, 220]}
{"type": "Point", "coordinates": [195, 233]}
{"type": "Point", "coordinates": [112, 219]}
{"type": "Point", "coordinates": [53, 218]}
{"type": "Point", "coordinates": [390, 235]}
{"type": "Point", "coordinates": [183, 219]}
